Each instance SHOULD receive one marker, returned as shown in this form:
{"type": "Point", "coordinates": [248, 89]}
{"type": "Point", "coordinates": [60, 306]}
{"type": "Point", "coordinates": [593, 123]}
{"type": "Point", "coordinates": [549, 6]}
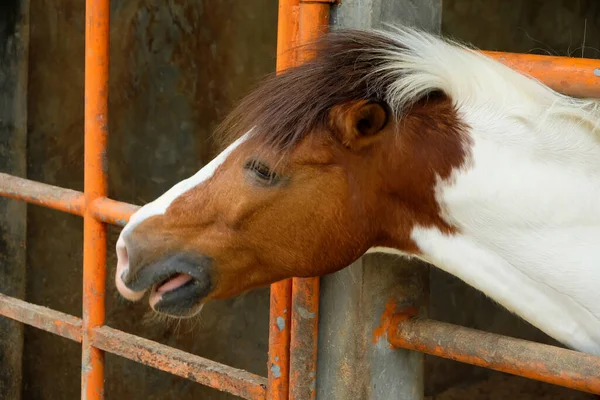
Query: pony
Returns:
{"type": "Point", "coordinates": [400, 142]}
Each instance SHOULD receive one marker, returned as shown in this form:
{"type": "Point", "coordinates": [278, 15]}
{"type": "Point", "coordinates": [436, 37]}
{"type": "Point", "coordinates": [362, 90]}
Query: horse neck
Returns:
{"type": "Point", "coordinates": [527, 222]}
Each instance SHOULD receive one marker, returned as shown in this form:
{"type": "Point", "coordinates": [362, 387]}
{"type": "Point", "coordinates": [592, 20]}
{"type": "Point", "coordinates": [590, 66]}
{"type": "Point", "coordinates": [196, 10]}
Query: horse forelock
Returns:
{"type": "Point", "coordinates": [286, 107]}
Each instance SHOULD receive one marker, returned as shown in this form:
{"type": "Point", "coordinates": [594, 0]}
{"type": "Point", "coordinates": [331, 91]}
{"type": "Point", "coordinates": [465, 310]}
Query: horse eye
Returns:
{"type": "Point", "coordinates": [261, 171]}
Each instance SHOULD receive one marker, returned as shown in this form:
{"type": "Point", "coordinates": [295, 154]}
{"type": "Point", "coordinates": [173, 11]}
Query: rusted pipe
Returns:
{"type": "Point", "coordinates": [164, 358]}
{"type": "Point", "coordinates": [515, 356]}
{"type": "Point", "coordinates": [41, 194]}
{"type": "Point", "coordinates": [578, 77]}
{"type": "Point", "coordinates": [112, 211]}
{"type": "Point", "coordinates": [67, 200]}
{"type": "Point", "coordinates": [314, 21]}
{"type": "Point", "coordinates": [281, 292]}
{"type": "Point", "coordinates": [304, 338]}
{"type": "Point", "coordinates": [95, 187]}
{"type": "Point", "coordinates": [178, 362]}
{"type": "Point", "coordinates": [52, 321]}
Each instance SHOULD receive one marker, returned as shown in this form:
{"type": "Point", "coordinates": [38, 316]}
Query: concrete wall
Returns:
{"type": "Point", "coordinates": [14, 29]}
{"type": "Point", "coordinates": [176, 67]}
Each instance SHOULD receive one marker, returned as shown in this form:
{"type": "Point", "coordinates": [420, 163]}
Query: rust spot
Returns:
{"type": "Point", "coordinates": [391, 309]}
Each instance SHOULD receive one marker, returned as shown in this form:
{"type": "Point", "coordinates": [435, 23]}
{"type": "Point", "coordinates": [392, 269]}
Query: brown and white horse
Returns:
{"type": "Point", "coordinates": [402, 143]}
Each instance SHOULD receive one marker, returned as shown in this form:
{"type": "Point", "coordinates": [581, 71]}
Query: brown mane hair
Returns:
{"type": "Point", "coordinates": [285, 108]}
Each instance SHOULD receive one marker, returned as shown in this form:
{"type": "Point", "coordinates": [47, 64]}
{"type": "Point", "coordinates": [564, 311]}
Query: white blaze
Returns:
{"type": "Point", "coordinates": [161, 204]}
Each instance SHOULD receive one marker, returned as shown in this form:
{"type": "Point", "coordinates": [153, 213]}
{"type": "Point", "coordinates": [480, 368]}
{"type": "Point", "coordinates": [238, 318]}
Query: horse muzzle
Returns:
{"type": "Point", "coordinates": [177, 282]}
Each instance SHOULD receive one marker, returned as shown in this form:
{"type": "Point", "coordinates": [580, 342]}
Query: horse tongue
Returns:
{"type": "Point", "coordinates": [175, 282]}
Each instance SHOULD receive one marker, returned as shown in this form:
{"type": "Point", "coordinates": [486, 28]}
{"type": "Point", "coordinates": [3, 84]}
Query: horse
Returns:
{"type": "Point", "coordinates": [396, 141]}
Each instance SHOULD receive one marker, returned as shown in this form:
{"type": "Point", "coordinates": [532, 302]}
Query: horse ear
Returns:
{"type": "Point", "coordinates": [358, 122]}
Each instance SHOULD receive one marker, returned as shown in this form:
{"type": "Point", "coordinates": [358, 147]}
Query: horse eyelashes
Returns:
{"type": "Point", "coordinates": [262, 171]}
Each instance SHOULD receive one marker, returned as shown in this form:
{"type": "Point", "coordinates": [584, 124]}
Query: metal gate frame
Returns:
{"type": "Point", "coordinates": [292, 340]}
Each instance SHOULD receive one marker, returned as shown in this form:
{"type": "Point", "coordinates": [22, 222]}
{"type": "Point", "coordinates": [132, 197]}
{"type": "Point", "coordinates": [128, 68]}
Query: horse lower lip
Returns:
{"type": "Point", "coordinates": [182, 301]}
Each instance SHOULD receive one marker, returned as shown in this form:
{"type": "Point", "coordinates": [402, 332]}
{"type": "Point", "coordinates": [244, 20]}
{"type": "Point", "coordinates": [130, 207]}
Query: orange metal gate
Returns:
{"type": "Point", "coordinates": [292, 340]}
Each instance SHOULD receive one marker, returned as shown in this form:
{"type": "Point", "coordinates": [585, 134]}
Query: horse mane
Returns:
{"type": "Point", "coordinates": [398, 67]}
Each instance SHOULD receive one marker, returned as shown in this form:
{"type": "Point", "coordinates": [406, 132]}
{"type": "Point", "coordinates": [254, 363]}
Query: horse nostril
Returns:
{"type": "Point", "coordinates": [122, 254]}
{"type": "Point", "coordinates": [122, 272]}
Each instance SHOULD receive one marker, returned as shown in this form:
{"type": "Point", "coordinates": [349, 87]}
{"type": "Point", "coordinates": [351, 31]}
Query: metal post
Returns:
{"type": "Point", "coordinates": [95, 182]}
{"type": "Point", "coordinates": [355, 359]}
{"type": "Point", "coordinates": [281, 292]}
{"type": "Point", "coordinates": [314, 21]}
{"type": "Point", "coordinates": [14, 51]}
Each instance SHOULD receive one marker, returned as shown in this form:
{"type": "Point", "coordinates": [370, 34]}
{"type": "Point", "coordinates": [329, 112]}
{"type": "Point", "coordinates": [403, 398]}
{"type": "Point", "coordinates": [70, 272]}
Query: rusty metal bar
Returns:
{"type": "Point", "coordinates": [52, 321]}
{"type": "Point", "coordinates": [178, 362]}
{"type": "Point", "coordinates": [198, 369]}
{"type": "Point", "coordinates": [112, 211]}
{"type": "Point", "coordinates": [314, 21]}
{"type": "Point", "coordinates": [281, 292]}
{"type": "Point", "coordinates": [578, 77]}
{"type": "Point", "coordinates": [515, 356]}
{"type": "Point", "coordinates": [279, 340]}
{"type": "Point", "coordinates": [66, 200]}
{"type": "Point", "coordinates": [304, 338]}
{"type": "Point", "coordinates": [95, 183]}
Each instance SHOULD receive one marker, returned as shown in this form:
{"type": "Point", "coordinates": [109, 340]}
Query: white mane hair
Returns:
{"type": "Point", "coordinates": [423, 62]}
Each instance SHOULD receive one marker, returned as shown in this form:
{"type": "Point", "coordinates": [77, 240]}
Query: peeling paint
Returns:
{"type": "Point", "coordinates": [304, 313]}
{"type": "Point", "coordinates": [276, 370]}
{"type": "Point", "coordinates": [121, 222]}
{"type": "Point", "coordinates": [280, 323]}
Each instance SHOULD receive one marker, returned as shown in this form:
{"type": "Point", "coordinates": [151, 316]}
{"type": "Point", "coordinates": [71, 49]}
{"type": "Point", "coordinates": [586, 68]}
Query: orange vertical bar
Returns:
{"type": "Point", "coordinates": [95, 182]}
{"type": "Point", "coordinates": [314, 21]}
{"type": "Point", "coordinates": [279, 319]}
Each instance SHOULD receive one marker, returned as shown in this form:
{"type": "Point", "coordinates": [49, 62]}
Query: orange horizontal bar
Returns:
{"type": "Point", "coordinates": [67, 200]}
{"type": "Point", "coordinates": [112, 211]}
{"type": "Point", "coordinates": [578, 77]}
{"type": "Point", "coordinates": [52, 321]}
{"type": "Point", "coordinates": [178, 362]}
{"type": "Point", "coordinates": [532, 360]}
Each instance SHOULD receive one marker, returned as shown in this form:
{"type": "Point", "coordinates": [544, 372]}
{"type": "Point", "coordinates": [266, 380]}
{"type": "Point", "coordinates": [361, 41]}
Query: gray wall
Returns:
{"type": "Point", "coordinates": [176, 67]}
{"type": "Point", "coordinates": [14, 28]}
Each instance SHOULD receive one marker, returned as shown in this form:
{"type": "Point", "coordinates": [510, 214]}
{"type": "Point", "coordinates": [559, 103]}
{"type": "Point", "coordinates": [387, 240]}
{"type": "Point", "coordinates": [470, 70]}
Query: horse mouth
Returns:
{"type": "Point", "coordinates": [178, 295]}
{"type": "Point", "coordinates": [177, 284]}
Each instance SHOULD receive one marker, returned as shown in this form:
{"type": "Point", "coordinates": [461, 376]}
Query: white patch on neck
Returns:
{"type": "Point", "coordinates": [526, 210]}
{"type": "Point", "coordinates": [548, 294]}
{"type": "Point", "coordinates": [161, 204]}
